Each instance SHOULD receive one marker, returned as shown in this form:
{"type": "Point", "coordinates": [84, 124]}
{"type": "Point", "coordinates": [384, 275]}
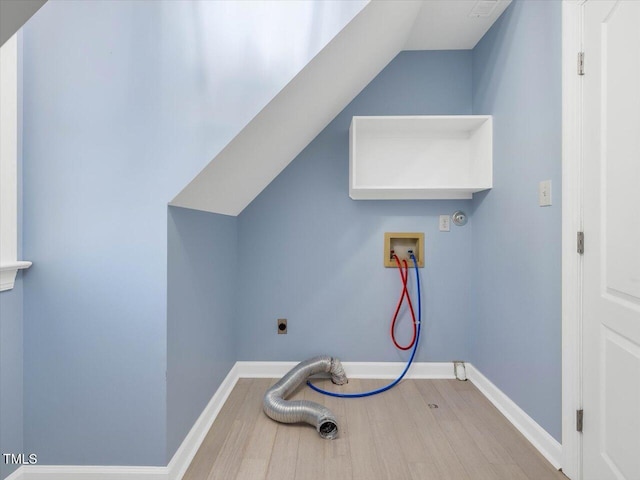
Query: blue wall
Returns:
{"type": "Point", "coordinates": [202, 272]}
{"type": "Point", "coordinates": [96, 186]}
{"type": "Point", "coordinates": [516, 244]}
{"type": "Point", "coordinates": [314, 256]}
{"type": "Point", "coordinates": [124, 103]}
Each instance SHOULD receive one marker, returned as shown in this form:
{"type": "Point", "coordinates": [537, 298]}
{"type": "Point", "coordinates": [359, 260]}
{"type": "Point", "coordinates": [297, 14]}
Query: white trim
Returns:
{"type": "Point", "coordinates": [9, 100]}
{"type": "Point", "coordinates": [184, 455]}
{"type": "Point", "coordinates": [9, 150]}
{"type": "Point", "coordinates": [548, 446]}
{"type": "Point", "coordinates": [263, 369]}
{"type": "Point", "coordinates": [74, 472]}
{"type": "Point", "coordinates": [383, 370]}
{"type": "Point", "coordinates": [571, 224]}
{"type": "Point", "coordinates": [16, 475]}
{"type": "Point", "coordinates": [174, 471]}
{"type": "Point", "coordinates": [538, 437]}
{"type": "Point", "coordinates": [8, 157]}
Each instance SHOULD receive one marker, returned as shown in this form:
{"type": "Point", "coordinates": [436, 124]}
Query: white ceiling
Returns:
{"type": "Point", "coordinates": [450, 24]}
{"type": "Point", "coordinates": [296, 115]}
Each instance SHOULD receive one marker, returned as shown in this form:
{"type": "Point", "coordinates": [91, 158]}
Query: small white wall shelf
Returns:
{"type": "Point", "coordinates": [8, 272]}
{"type": "Point", "coordinates": [420, 157]}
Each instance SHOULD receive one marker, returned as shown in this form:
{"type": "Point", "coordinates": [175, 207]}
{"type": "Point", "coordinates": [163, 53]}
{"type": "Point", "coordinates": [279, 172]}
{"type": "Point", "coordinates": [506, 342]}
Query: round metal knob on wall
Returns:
{"type": "Point", "coordinates": [459, 218]}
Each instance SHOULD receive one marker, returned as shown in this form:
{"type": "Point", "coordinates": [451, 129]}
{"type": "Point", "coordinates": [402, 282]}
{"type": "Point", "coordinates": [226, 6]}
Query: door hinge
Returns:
{"type": "Point", "coordinates": [579, 417]}
{"type": "Point", "coordinates": [580, 63]}
{"type": "Point", "coordinates": [580, 243]}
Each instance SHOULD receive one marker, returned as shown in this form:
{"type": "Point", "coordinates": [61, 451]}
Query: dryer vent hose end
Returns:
{"type": "Point", "coordinates": [295, 411]}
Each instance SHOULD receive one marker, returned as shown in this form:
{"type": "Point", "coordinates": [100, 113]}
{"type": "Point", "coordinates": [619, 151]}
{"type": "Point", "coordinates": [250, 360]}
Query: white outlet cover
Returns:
{"type": "Point", "coordinates": [445, 223]}
{"type": "Point", "coordinates": [544, 193]}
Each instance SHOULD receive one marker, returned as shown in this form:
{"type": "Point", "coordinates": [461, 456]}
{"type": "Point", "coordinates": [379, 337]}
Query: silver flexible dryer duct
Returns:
{"type": "Point", "coordinates": [281, 410]}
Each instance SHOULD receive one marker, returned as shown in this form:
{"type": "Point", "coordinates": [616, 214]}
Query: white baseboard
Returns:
{"type": "Point", "coordinates": [263, 369]}
{"type": "Point", "coordinates": [16, 475]}
{"type": "Point", "coordinates": [548, 446]}
{"type": "Point", "coordinates": [174, 471]}
{"type": "Point", "coordinates": [539, 438]}
{"type": "Point", "coordinates": [182, 458]}
{"type": "Point", "coordinates": [383, 370]}
{"type": "Point", "coordinates": [73, 472]}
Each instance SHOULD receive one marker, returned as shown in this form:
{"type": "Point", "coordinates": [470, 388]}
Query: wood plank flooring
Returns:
{"type": "Point", "coordinates": [397, 435]}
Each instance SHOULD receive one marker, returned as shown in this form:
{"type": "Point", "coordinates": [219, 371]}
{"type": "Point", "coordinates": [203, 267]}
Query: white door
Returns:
{"type": "Point", "coordinates": [611, 295]}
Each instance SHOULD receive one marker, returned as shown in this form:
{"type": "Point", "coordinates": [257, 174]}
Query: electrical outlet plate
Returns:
{"type": "Point", "coordinates": [544, 193]}
{"type": "Point", "coordinates": [400, 244]}
{"type": "Point", "coordinates": [282, 326]}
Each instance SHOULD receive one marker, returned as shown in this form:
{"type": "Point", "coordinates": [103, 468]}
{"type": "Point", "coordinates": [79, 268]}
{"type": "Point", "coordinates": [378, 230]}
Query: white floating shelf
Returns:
{"type": "Point", "coordinates": [8, 272]}
{"type": "Point", "coordinates": [420, 157]}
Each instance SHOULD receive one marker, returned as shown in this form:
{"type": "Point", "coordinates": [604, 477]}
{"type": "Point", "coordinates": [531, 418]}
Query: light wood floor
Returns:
{"type": "Point", "coordinates": [393, 436]}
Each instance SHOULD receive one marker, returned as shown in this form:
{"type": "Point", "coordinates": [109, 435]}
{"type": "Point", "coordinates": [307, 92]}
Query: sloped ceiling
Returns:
{"type": "Point", "coordinates": [14, 14]}
{"type": "Point", "coordinates": [333, 78]}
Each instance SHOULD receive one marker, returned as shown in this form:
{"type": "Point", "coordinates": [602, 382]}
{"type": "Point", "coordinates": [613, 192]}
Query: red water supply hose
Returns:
{"type": "Point", "coordinates": [405, 293]}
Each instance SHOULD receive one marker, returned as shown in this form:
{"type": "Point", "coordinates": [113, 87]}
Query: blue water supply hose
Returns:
{"type": "Point", "coordinates": [406, 368]}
